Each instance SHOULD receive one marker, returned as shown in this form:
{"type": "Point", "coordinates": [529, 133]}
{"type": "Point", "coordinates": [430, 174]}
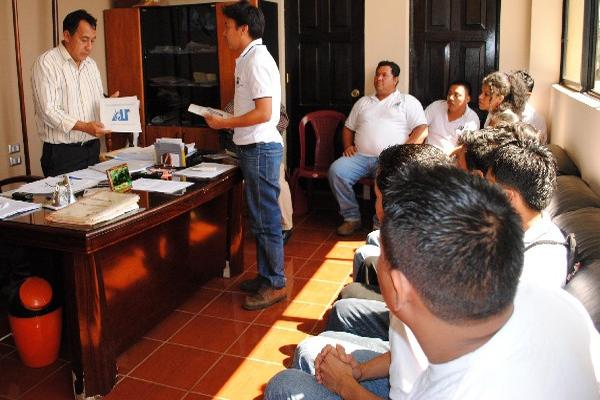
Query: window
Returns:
{"type": "Point", "coordinates": [580, 68]}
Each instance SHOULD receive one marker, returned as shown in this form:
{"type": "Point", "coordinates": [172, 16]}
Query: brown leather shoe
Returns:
{"type": "Point", "coordinates": [348, 228]}
{"type": "Point", "coordinates": [266, 296]}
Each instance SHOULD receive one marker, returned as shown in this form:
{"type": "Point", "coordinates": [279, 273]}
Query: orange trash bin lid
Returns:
{"type": "Point", "coordinates": [35, 293]}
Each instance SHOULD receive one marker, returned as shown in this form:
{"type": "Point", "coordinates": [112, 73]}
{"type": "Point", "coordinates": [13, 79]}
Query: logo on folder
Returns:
{"type": "Point", "coordinates": [121, 115]}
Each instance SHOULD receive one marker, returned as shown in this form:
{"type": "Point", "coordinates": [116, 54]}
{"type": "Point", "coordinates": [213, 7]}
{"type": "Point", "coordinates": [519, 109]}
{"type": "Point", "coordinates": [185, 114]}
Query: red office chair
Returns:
{"type": "Point", "coordinates": [325, 124]}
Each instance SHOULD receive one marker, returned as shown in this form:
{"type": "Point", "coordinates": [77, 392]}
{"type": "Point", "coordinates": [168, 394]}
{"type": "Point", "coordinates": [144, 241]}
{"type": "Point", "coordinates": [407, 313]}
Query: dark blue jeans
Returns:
{"type": "Point", "coordinates": [260, 166]}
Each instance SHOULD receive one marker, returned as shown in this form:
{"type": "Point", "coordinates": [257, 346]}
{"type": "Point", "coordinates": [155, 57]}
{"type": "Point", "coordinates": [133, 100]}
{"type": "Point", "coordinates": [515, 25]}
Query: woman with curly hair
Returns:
{"type": "Point", "coordinates": [500, 92]}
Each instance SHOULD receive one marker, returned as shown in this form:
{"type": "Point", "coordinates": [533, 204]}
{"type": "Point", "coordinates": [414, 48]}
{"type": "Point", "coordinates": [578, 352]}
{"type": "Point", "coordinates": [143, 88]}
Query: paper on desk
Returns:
{"type": "Point", "coordinates": [10, 207]}
{"type": "Point", "coordinates": [133, 153]}
{"type": "Point", "coordinates": [46, 185]}
{"type": "Point", "coordinates": [88, 173]}
{"type": "Point", "coordinates": [205, 170]}
{"type": "Point", "coordinates": [159, 185]}
{"type": "Point", "coordinates": [121, 114]}
{"type": "Point", "coordinates": [132, 165]}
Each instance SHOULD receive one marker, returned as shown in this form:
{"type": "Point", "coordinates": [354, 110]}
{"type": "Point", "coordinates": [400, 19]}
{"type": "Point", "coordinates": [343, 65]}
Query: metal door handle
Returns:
{"type": "Point", "coordinates": [355, 93]}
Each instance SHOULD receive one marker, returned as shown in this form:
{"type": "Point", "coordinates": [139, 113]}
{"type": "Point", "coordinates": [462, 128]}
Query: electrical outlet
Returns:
{"type": "Point", "coordinates": [14, 160]}
{"type": "Point", "coordinates": [14, 148]}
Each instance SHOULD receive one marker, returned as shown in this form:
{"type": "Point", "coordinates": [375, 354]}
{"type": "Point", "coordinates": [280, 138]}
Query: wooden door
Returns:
{"type": "Point", "coordinates": [452, 39]}
{"type": "Point", "coordinates": [324, 60]}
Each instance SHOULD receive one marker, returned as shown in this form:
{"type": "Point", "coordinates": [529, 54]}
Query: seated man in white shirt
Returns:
{"type": "Point", "coordinates": [529, 115]}
{"type": "Point", "coordinates": [526, 171]}
{"type": "Point", "coordinates": [452, 253]}
{"type": "Point", "coordinates": [378, 121]}
{"type": "Point", "coordinates": [512, 157]}
{"type": "Point", "coordinates": [449, 118]}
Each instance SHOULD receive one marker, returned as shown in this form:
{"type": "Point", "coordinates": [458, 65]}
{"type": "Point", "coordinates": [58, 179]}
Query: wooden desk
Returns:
{"type": "Point", "coordinates": [123, 277]}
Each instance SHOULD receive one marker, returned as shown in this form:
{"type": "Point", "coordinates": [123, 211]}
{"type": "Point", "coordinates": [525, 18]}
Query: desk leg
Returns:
{"type": "Point", "coordinates": [235, 231]}
{"type": "Point", "coordinates": [91, 346]}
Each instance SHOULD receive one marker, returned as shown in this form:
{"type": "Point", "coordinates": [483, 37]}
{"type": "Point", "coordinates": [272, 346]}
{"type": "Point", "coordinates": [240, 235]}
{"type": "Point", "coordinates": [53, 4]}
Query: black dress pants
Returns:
{"type": "Point", "coordinates": [60, 159]}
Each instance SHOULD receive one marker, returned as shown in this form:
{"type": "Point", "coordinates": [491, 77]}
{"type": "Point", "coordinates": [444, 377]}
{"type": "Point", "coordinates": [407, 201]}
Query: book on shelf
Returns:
{"type": "Point", "coordinates": [99, 207]}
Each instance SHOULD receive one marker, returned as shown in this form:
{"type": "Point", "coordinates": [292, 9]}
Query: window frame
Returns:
{"type": "Point", "coordinates": [588, 54]}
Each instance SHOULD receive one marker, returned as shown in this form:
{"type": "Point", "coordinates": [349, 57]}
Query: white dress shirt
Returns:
{"type": "Point", "coordinates": [63, 94]}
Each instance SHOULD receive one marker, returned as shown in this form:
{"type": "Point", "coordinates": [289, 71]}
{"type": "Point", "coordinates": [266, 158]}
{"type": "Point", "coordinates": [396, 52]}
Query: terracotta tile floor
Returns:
{"type": "Point", "coordinates": [210, 347]}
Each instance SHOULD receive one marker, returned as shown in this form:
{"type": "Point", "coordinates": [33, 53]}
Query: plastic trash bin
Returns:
{"type": "Point", "coordinates": [35, 320]}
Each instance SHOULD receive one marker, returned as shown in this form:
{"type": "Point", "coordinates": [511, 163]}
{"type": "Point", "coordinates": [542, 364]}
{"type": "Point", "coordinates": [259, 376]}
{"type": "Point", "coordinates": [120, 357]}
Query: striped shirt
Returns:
{"type": "Point", "coordinates": [64, 94]}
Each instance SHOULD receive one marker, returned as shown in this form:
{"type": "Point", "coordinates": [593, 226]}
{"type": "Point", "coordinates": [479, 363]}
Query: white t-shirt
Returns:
{"type": "Point", "coordinates": [443, 133]}
{"type": "Point", "coordinates": [256, 77]}
{"type": "Point", "coordinates": [536, 120]}
{"type": "Point", "coordinates": [378, 124]}
{"type": "Point", "coordinates": [544, 351]}
{"type": "Point", "coordinates": [545, 264]}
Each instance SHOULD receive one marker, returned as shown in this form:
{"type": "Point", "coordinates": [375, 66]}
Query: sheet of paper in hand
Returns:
{"type": "Point", "coordinates": [121, 114]}
{"type": "Point", "coordinates": [203, 111]}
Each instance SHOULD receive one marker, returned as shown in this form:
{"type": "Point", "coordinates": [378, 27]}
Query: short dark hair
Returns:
{"type": "Point", "coordinates": [71, 21]}
{"type": "Point", "coordinates": [526, 78]}
{"type": "Point", "coordinates": [455, 238]}
{"type": "Point", "coordinates": [399, 156]}
{"type": "Point", "coordinates": [244, 13]}
{"type": "Point", "coordinates": [385, 63]}
{"type": "Point", "coordinates": [463, 83]}
{"type": "Point", "coordinates": [526, 166]}
{"type": "Point", "coordinates": [481, 144]}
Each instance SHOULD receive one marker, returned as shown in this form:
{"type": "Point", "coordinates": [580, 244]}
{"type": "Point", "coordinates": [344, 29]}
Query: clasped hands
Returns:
{"type": "Point", "coordinates": [334, 369]}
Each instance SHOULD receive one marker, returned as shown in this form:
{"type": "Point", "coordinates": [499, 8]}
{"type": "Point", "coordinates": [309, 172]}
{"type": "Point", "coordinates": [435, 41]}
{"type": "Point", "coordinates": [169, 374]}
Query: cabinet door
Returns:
{"type": "Point", "coordinates": [181, 65]}
{"type": "Point", "coordinates": [226, 57]}
{"type": "Point", "coordinates": [122, 34]}
{"type": "Point", "coordinates": [206, 139]}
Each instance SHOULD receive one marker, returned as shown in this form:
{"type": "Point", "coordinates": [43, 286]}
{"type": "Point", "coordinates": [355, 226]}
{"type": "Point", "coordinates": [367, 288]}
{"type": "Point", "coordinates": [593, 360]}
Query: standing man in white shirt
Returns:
{"type": "Point", "coordinates": [378, 121]}
{"type": "Point", "coordinates": [449, 118]}
{"type": "Point", "coordinates": [531, 116]}
{"type": "Point", "coordinates": [67, 89]}
{"type": "Point", "coordinates": [260, 147]}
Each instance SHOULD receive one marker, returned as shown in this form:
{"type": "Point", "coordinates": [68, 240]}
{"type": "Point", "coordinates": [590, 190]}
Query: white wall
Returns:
{"type": "Point", "coordinates": [387, 34]}
{"type": "Point", "coordinates": [515, 28]}
{"type": "Point", "coordinates": [10, 122]}
{"type": "Point", "coordinates": [576, 128]}
{"type": "Point", "coordinates": [544, 58]}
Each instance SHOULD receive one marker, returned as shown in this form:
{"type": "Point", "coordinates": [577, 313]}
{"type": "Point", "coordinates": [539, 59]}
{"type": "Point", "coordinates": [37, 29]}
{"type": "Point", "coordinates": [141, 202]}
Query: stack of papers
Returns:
{"type": "Point", "coordinates": [170, 151]}
{"type": "Point", "coordinates": [98, 207]}
{"type": "Point", "coordinates": [205, 170]}
{"type": "Point", "coordinates": [10, 207]}
{"type": "Point", "coordinates": [133, 153]}
{"type": "Point", "coordinates": [159, 185]}
{"type": "Point", "coordinates": [132, 165]}
{"type": "Point", "coordinates": [46, 185]}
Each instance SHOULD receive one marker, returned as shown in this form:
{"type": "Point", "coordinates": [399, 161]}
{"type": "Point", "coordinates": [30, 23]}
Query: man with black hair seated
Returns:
{"type": "Point", "coordinates": [512, 157]}
{"type": "Point", "coordinates": [452, 254]}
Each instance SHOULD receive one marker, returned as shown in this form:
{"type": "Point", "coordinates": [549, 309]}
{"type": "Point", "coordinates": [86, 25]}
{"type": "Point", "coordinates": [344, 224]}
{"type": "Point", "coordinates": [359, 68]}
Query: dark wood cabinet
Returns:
{"type": "Point", "coordinates": [169, 57]}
